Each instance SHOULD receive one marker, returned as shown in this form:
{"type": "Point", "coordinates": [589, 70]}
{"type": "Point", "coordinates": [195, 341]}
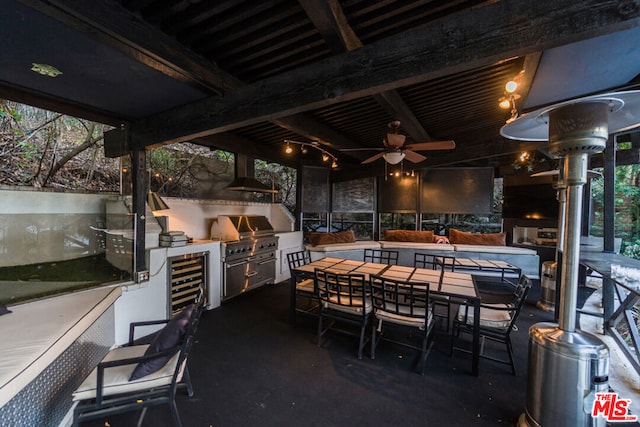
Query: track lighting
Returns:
{"type": "Point", "coordinates": [304, 149]}
{"type": "Point", "coordinates": [508, 100]}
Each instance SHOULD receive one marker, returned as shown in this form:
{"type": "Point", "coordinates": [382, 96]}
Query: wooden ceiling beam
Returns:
{"type": "Point", "coordinates": [475, 38]}
{"type": "Point", "coordinates": [315, 131]}
{"type": "Point", "coordinates": [490, 149]}
{"type": "Point", "coordinates": [236, 144]}
{"type": "Point", "coordinates": [31, 97]}
{"type": "Point", "coordinates": [330, 20]}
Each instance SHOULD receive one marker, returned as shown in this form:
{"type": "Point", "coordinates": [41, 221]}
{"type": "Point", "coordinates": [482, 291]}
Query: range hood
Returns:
{"type": "Point", "coordinates": [244, 181]}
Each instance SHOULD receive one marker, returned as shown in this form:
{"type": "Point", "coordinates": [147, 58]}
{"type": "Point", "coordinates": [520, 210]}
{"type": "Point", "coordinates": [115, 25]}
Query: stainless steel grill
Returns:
{"type": "Point", "coordinates": [249, 246]}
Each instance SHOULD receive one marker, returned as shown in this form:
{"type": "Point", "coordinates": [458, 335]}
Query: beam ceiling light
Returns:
{"type": "Point", "coordinates": [508, 100]}
{"type": "Point", "coordinates": [393, 157]}
{"type": "Point", "coordinates": [45, 70]}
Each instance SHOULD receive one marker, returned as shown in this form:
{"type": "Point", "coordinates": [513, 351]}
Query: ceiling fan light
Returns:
{"type": "Point", "coordinates": [394, 157]}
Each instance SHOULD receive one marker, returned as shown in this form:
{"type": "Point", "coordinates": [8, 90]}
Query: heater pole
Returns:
{"type": "Point", "coordinates": [575, 168]}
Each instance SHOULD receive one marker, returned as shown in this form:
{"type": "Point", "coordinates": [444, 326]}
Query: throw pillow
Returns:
{"type": "Point", "coordinates": [169, 336]}
{"type": "Point", "coordinates": [488, 239]}
{"type": "Point", "coordinates": [316, 238]}
{"type": "Point", "coordinates": [4, 310]}
{"type": "Point", "coordinates": [422, 236]}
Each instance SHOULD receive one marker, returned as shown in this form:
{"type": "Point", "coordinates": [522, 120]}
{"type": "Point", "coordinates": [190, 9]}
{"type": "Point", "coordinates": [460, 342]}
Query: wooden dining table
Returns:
{"type": "Point", "coordinates": [482, 267]}
{"type": "Point", "coordinates": [456, 287]}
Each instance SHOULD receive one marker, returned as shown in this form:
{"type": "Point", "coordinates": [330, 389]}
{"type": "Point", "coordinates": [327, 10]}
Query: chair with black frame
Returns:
{"type": "Point", "coordinates": [435, 262]}
{"type": "Point", "coordinates": [497, 321]}
{"type": "Point", "coordinates": [304, 286]}
{"type": "Point", "coordinates": [381, 256]}
{"type": "Point", "coordinates": [401, 304]}
{"type": "Point", "coordinates": [343, 298]}
{"type": "Point", "coordinates": [135, 377]}
{"type": "Point", "coordinates": [442, 263]}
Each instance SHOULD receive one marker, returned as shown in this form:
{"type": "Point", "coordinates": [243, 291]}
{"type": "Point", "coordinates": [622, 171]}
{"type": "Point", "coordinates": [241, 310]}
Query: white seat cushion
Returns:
{"type": "Point", "coordinates": [365, 244]}
{"type": "Point", "coordinates": [305, 286]}
{"type": "Point", "coordinates": [495, 249]}
{"type": "Point", "coordinates": [116, 379]}
{"type": "Point", "coordinates": [353, 309]}
{"type": "Point", "coordinates": [490, 318]}
{"type": "Point", "coordinates": [416, 245]}
{"type": "Point", "coordinates": [404, 320]}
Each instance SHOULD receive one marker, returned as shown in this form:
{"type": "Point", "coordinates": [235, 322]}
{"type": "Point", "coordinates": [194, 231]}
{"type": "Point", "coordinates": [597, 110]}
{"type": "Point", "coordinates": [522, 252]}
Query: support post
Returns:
{"type": "Point", "coordinates": [609, 224]}
{"type": "Point", "coordinates": [139, 173]}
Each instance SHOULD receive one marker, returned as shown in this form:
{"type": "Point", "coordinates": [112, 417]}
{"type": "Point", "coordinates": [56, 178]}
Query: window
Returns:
{"type": "Point", "coordinates": [360, 222]}
{"type": "Point", "coordinates": [314, 222]}
{"type": "Point", "coordinates": [396, 221]}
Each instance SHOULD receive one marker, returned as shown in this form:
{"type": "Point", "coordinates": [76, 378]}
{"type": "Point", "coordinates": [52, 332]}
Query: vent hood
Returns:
{"type": "Point", "coordinates": [244, 180]}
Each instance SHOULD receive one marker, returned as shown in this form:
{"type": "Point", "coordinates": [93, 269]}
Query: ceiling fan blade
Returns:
{"type": "Point", "coordinates": [590, 173]}
{"type": "Point", "coordinates": [364, 149]}
{"type": "Point", "coordinates": [373, 158]}
{"type": "Point", "coordinates": [414, 157]}
{"type": "Point", "coordinates": [434, 145]}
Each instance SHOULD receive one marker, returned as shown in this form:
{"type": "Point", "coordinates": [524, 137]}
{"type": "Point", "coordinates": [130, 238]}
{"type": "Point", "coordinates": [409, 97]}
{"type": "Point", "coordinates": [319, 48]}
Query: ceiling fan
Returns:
{"type": "Point", "coordinates": [395, 148]}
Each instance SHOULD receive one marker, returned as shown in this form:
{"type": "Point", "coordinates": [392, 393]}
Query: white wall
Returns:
{"type": "Point", "coordinates": [287, 243]}
{"type": "Point", "coordinates": [194, 217]}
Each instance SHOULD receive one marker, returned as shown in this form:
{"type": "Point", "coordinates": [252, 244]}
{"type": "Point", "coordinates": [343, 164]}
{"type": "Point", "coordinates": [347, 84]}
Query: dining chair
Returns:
{"type": "Point", "coordinates": [497, 321]}
{"type": "Point", "coordinates": [344, 298]}
{"type": "Point", "coordinates": [304, 286]}
{"type": "Point", "coordinates": [381, 256]}
{"type": "Point", "coordinates": [399, 304]}
{"type": "Point", "coordinates": [442, 263]}
{"type": "Point", "coordinates": [135, 377]}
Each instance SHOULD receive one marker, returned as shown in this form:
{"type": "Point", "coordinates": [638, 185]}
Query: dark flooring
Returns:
{"type": "Point", "coordinates": [251, 367]}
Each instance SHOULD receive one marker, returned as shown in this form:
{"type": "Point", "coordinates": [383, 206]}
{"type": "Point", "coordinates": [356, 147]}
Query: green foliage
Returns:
{"type": "Point", "coordinates": [283, 178]}
{"type": "Point", "coordinates": [631, 249]}
{"type": "Point", "coordinates": [627, 202]}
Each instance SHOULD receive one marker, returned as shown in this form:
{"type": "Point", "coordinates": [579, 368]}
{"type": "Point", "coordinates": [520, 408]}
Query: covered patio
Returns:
{"type": "Point", "coordinates": [350, 94]}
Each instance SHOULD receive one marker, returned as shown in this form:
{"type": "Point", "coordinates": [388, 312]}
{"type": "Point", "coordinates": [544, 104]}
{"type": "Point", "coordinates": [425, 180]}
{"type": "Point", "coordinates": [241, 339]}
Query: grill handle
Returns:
{"type": "Point", "coordinates": [251, 274]}
{"type": "Point", "coordinates": [237, 264]}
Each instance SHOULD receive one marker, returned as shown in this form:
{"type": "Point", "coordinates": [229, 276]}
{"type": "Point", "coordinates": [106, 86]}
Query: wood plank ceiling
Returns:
{"type": "Point", "coordinates": [334, 72]}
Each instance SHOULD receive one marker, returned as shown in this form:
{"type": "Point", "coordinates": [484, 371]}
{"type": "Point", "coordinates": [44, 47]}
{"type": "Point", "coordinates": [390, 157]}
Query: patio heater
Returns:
{"type": "Point", "coordinates": [567, 367]}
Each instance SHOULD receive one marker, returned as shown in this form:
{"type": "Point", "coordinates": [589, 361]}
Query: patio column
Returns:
{"type": "Point", "coordinates": [139, 174]}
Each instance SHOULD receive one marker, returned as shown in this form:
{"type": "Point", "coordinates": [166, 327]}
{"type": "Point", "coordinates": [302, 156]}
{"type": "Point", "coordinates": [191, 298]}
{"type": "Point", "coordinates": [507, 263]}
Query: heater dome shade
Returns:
{"type": "Point", "coordinates": [624, 114]}
{"type": "Point", "coordinates": [394, 157]}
